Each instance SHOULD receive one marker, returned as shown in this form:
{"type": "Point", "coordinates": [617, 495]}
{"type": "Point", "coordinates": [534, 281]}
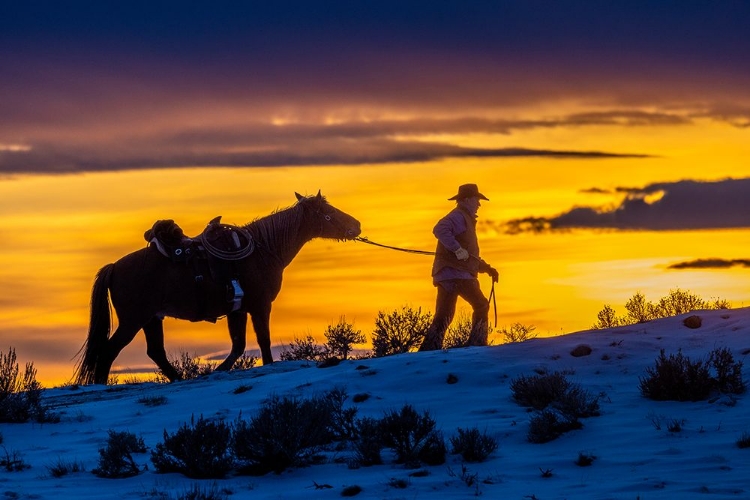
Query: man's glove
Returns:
{"type": "Point", "coordinates": [462, 254]}
{"type": "Point", "coordinates": [495, 275]}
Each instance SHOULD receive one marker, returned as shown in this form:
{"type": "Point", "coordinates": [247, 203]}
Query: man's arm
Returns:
{"type": "Point", "coordinates": [446, 230]}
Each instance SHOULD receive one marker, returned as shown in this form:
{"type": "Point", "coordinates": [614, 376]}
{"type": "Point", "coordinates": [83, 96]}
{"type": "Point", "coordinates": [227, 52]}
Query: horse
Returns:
{"type": "Point", "coordinates": [143, 287]}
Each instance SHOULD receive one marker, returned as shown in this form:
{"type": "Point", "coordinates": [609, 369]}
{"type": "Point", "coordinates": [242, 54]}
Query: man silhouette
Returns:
{"type": "Point", "coordinates": [454, 271]}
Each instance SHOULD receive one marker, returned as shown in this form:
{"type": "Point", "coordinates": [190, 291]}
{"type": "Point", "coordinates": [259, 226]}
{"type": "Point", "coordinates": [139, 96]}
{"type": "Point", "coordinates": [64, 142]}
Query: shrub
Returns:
{"type": "Point", "coordinates": [639, 310]}
{"type": "Point", "coordinates": [606, 318]}
{"type": "Point", "coordinates": [469, 479]}
{"type": "Point", "coordinates": [399, 331]}
{"type": "Point", "coordinates": [675, 425]}
{"type": "Point", "coordinates": [342, 421]}
{"type": "Point", "coordinates": [728, 378]}
{"type": "Point", "coordinates": [198, 492]}
{"type": "Point", "coordinates": [433, 451]}
{"type": "Point", "coordinates": [407, 432]}
{"type": "Point", "coordinates": [116, 460]}
{"type": "Point", "coordinates": [304, 350]}
{"type": "Point", "coordinates": [21, 396]}
{"type": "Point", "coordinates": [368, 442]}
{"type": "Point", "coordinates": [539, 391]}
{"type": "Point", "coordinates": [12, 461]}
{"type": "Point", "coordinates": [63, 468]}
{"type": "Point", "coordinates": [285, 432]}
{"type": "Point", "coordinates": [245, 362]}
{"type": "Point", "coordinates": [188, 367]}
{"type": "Point", "coordinates": [680, 302]}
{"type": "Point", "coordinates": [577, 402]}
{"type": "Point", "coordinates": [518, 333]}
{"type": "Point", "coordinates": [200, 450]}
{"type": "Point", "coordinates": [549, 424]}
{"type": "Point", "coordinates": [744, 441]}
{"type": "Point", "coordinates": [560, 404]}
{"type": "Point", "coordinates": [458, 333]}
{"type": "Point", "coordinates": [472, 445]}
{"type": "Point", "coordinates": [677, 378]}
{"type": "Point", "coordinates": [341, 337]}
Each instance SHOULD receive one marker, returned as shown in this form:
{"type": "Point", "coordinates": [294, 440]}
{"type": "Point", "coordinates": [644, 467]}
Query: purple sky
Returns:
{"type": "Point", "coordinates": [98, 86]}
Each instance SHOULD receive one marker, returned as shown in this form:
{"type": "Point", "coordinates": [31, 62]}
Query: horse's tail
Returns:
{"type": "Point", "coordinates": [99, 327]}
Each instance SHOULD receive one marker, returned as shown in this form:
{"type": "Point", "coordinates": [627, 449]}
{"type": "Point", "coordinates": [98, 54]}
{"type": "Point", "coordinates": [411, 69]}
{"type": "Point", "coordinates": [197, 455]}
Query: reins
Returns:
{"type": "Point", "coordinates": [425, 252]}
{"type": "Point", "coordinates": [408, 250]}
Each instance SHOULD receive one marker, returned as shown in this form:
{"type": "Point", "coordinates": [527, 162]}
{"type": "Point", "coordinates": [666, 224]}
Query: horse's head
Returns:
{"type": "Point", "coordinates": [333, 223]}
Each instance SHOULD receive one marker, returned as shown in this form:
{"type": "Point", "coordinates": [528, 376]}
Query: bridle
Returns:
{"type": "Point", "coordinates": [327, 217]}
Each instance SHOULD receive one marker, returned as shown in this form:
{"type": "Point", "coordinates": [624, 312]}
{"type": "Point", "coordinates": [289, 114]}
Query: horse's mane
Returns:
{"type": "Point", "coordinates": [281, 227]}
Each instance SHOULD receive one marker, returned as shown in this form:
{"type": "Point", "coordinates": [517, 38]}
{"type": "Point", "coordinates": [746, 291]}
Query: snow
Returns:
{"type": "Point", "coordinates": [634, 459]}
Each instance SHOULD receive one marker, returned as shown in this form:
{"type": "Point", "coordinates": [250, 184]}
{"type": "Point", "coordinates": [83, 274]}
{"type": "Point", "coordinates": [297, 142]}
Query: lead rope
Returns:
{"type": "Point", "coordinates": [409, 250]}
{"type": "Point", "coordinates": [425, 252]}
{"type": "Point", "coordinates": [494, 301]}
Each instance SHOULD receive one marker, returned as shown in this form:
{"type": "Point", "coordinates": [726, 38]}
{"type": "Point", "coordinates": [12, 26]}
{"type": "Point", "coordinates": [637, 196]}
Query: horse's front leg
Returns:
{"type": "Point", "coordinates": [154, 331]}
{"type": "Point", "coordinates": [261, 316]}
{"type": "Point", "coordinates": [237, 322]}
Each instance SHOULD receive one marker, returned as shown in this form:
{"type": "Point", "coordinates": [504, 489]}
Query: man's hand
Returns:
{"type": "Point", "coordinates": [462, 254]}
{"type": "Point", "coordinates": [495, 275]}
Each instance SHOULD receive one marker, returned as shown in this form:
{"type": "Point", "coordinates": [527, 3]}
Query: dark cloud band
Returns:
{"type": "Point", "coordinates": [266, 152]}
{"type": "Point", "coordinates": [679, 205]}
{"type": "Point", "coordinates": [711, 264]}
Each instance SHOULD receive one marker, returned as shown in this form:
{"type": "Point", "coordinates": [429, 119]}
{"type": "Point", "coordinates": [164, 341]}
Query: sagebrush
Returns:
{"type": "Point", "coordinates": [411, 435]}
{"type": "Point", "coordinates": [342, 337]}
{"type": "Point", "coordinates": [286, 431]}
{"type": "Point", "coordinates": [560, 404]}
{"type": "Point", "coordinates": [640, 310]}
{"type": "Point", "coordinates": [116, 459]}
{"type": "Point", "coordinates": [472, 445]}
{"type": "Point", "coordinates": [399, 331]}
{"type": "Point", "coordinates": [200, 450]}
{"type": "Point", "coordinates": [21, 394]}
{"type": "Point", "coordinates": [678, 378]}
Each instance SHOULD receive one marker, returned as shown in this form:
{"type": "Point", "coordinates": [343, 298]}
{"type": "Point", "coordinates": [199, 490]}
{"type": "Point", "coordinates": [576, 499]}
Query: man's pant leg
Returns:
{"type": "Point", "coordinates": [470, 291]}
{"type": "Point", "coordinates": [445, 308]}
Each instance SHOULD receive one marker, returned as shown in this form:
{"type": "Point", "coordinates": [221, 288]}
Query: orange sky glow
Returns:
{"type": "Point", "coordinates": [59, 230]}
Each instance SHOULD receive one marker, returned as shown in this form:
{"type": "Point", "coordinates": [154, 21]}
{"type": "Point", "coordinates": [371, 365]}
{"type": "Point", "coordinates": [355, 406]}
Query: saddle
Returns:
{"type": "Point", "coordinates": [216, 250]}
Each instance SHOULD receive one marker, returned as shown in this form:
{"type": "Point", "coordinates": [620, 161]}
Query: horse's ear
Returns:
{"type": "Point", "coordinates": [319, 196]}
{"type": "Point", "coordinates": [299, 196]}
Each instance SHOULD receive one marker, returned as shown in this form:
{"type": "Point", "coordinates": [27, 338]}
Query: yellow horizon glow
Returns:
{"type": "Point", "coordinates": [59, 230]}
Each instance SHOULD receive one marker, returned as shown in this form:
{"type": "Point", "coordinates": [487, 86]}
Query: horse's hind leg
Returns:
{"type": "Point", "coordinates": [124, 334]}
{"type": "Point", "coordinates": [261, 319]}
{"type": "Point", "coordinates": [237, 322]}
{"type": "Point", "coordinates": [154, 331]}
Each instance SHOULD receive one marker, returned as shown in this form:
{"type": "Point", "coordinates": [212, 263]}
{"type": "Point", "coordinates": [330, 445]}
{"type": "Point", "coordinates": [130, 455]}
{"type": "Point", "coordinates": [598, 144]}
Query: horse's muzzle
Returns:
{"type": "Point", "coordinates": [353, 232]}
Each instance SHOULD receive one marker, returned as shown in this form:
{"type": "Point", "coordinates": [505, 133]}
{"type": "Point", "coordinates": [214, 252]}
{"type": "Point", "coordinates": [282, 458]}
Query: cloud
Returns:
{"type": "Point", "coordinates": [682, 205]}
{"type": "Point", "coordinates": [737, 115]}
{"type": "Point", "coordinates": [266, 144]}
{"type": "Point", "coordinates": [710, 264]}
{"type": "Point", "coordinates": [99, 89]}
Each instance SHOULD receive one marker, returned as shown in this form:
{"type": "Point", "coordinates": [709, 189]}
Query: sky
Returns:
{"type": "Point", "coordinates": [636, 455]}
{"type": "Point", "coordinates": [611, 139]}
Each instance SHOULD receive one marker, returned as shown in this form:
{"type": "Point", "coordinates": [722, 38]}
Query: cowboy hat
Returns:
{"type": "Point", "coordinates": [469, 191]}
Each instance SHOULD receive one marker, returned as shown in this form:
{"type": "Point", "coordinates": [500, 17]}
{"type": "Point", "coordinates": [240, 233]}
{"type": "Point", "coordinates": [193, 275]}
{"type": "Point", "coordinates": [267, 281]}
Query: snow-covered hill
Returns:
{"type": "Point", "coordinates": [634, 459]}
